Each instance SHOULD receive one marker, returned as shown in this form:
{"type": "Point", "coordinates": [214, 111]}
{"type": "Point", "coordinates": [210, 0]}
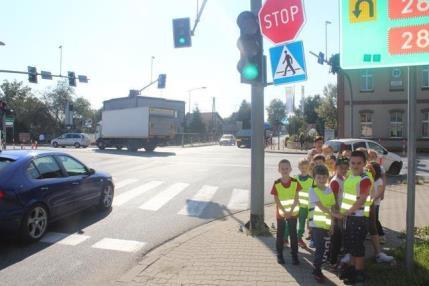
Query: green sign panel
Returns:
{"type": "Point", "coordinates": [8, 122]}
{"type": "Point", "coordinates": [384, 33]}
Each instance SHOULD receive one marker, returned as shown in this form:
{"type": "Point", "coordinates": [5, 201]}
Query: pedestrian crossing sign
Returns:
{"type": "Point", "coordinates": [288, 63]}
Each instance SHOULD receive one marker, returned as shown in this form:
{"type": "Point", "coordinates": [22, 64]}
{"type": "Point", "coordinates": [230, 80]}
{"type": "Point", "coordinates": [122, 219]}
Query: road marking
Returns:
{"type": "Point", "coordinates": [119, 245]}
{"type": "Point", "coordinates": [64, 238]}
{"type": "Point", "coordinates": [196, 205]}
{"type": "Point", "coordinates": [129, 195]}
{"type": "Point", "coordinates": [239, 200]}
{"type": "Point", "coordinates": [164, 197]}
{"type": "Point", "coordinates": [124, 183]}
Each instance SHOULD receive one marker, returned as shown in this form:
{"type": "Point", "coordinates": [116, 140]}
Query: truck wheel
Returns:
{"type": "Point", "coordinates": [119, 147]}
{"type": "Point", "coordinates": [150, 148]}
{"type": "Point", "coordinates": [101, 145]}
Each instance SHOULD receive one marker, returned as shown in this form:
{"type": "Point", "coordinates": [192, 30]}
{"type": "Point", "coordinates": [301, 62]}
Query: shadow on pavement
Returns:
{"type": "Point", "coordinates": [12, 250]}
{"type": "Point", "coordinates": [135, 154]}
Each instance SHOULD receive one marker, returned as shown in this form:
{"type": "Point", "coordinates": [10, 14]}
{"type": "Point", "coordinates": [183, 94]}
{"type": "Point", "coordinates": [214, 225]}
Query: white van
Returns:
{"type": "Point", "coordinates": [71, 139]}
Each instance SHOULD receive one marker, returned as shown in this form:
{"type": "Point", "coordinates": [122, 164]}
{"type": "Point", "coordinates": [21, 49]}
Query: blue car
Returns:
{"type": "Point", "coordinates": [39, 187]}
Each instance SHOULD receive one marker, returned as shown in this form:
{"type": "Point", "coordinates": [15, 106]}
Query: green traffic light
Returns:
{"type": "Point", "coordinates": [182, 40]}
{"type": "Point", "coordinates": [250, 72]}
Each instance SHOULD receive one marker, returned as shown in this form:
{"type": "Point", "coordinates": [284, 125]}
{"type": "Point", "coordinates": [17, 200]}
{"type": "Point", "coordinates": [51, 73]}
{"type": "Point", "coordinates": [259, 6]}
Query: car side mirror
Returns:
{"type": "Point", "coordinates": [91, 172]}
{"type": "Point", "coordinates": [385, 152]}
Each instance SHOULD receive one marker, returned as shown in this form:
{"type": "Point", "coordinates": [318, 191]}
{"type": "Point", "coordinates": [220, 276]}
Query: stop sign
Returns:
{"type": "Point", "coordinates": [281, 20]}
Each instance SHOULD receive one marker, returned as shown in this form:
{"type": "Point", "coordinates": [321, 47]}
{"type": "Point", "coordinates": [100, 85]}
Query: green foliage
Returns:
{"type": "Point", "coordinates": [197, 125]}
{"type": "Point", "coordinates": [296, 125]}
{"type": "Point", "coordinates": [310, 115]}
{"type": "Point", "coordinates": [276, 112]}
{"type": "Point", "coordinates": [327, 110]}
{"type": "Point", "coordinates": [245, 114]}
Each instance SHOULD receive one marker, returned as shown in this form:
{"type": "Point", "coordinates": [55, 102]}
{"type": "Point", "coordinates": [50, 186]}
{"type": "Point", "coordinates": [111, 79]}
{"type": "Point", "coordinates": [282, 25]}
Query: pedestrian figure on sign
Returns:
{"type": "Point", "coordinates": [289, 61]}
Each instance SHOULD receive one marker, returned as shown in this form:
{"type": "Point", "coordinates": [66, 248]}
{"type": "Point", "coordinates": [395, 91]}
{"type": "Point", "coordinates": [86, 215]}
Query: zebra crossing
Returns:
{"type": "Point", "coordinates": [156, 194]}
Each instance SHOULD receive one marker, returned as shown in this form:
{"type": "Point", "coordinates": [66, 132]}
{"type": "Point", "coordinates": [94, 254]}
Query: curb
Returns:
{"type": "Point", "coordinates": [421, 178]}
{"type": "Point", "coordinates": [286, 152]}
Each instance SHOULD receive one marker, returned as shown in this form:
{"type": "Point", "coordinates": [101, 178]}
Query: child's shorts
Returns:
{"type": "Point", "coordinates": [355, 234]}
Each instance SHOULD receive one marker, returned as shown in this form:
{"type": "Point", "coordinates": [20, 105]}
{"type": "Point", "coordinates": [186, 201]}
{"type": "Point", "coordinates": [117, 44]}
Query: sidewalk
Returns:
{"type": "Point", "coordinates": [285, 150]}
{"type": "Point", "coordinates": [218, 253]}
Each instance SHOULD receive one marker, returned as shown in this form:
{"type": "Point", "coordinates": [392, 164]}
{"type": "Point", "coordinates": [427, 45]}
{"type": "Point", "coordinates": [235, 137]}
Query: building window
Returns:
{"type": "Point", "coordinates": [367, 81]}
{"type": "Point", "coordinates": [366, 124]}
{"type": "Point", "coordinates": [425, 77]}
{"type": "Point", "coordinates": [397, 124]}
{"type": "Point", "coordinates": [425, 124]}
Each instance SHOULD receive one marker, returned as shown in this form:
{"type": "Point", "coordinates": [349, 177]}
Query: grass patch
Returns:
{"type": "Point", "coordinates": [382, 274]}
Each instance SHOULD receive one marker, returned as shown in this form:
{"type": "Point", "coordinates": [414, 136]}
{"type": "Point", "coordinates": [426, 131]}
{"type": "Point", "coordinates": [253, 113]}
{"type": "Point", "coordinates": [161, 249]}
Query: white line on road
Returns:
{"type": "Point", "coordinates": [64, 238]}
{"type": "Point", "coordinates": [196, 205]}
{"type": "Point", "coordinates": [239, 200]}
{"type": "Point", "coordinates": [129, 195]}
{"type": "Point", "coordinates": [119, 245]}
{"type": "Point", "coordinates": [164, 197]}
{"type": "Point", "coordinates": [124, 183]}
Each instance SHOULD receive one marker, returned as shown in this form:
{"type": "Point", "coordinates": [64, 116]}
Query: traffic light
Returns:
{"type": "Point", "coordinates": [162, 78]}
{"type": "Point", "coordinates": [182, 32]}
{"type": "Point", "coordinates": [251, 65]}
{"type": "Point", "coordinates": [321, 58]}
{"type": "Point", "coordinates": [72, 78]}
{"type": "Point", "coordinates": [32, 74]}
{"type": "Point", "coordinates": [334, 62]}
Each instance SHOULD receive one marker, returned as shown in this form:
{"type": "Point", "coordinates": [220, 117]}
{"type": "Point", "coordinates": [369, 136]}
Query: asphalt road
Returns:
{"type": "Point", "coordinates": [158, 196]}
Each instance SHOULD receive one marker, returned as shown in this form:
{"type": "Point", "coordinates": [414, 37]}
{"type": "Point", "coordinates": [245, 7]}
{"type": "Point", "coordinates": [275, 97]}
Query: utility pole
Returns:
{"type": "Point", "coordinates": [61, 58]}
{"type": "Point", "coordinates": [257, 224]}
{"type": "Point", "coordinates": [151, 68]}
{"type": "Point", "coordinates": [411, 176]}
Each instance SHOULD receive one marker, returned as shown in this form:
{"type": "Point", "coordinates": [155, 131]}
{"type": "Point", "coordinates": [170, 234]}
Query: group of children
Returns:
{"type": "Point", "coordinates": [339, 202]}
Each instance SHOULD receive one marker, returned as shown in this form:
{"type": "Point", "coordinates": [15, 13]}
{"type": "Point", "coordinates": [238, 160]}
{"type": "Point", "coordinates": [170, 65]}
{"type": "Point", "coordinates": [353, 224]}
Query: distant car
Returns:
{"type": "Point", "coordinates": [39, 187]}
{"type": "Point", "coordinates": [227, 139]}
{"type": "Point", "coordinates": [392, 163]}
{"type": "Point", "coordinates": [71, 139]}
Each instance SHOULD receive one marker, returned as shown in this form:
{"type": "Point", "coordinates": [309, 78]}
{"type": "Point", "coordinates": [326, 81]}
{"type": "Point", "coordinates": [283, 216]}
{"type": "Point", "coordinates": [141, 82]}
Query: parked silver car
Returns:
{"type": "Point", "coordinates": [71, 139]}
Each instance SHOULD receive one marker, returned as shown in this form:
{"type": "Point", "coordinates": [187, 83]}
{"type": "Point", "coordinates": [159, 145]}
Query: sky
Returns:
{"type": "Point", "coordinates": [112, 42]}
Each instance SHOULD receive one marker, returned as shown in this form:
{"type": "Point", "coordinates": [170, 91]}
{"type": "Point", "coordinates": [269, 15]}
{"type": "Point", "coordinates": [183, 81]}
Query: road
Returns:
{"type": "Point", "coordinates": [158, 196]}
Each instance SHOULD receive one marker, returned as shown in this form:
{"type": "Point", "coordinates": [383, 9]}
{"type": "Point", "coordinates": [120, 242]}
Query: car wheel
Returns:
{"type": "Point", "coordinates": [77, 145]}
{"type": "Point", "coordinates": [106, 198]}
{"type": "Point", "coordinates": [149, 148]}
{"type": "Point", "coordinates": [395, 169]}
{"type": "Point", "coordinates": [101, 145]}
{"type": "Point", "coordinates": [55, 144]}
{"type": "Point", "coordinates": [34, 223]}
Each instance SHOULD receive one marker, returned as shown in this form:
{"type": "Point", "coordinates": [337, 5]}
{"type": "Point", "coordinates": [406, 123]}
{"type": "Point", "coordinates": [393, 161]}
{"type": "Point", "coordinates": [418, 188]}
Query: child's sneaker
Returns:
{"type": "Point", "coordinates": [280, 259]}
{"type": "Point", "coordinates": [346, 259]}
{"type": "Point", "coordinates": [286, 243]}
{"type": "Point", "coordinates": [318, 276]}
{"type": "Point", "coordinates": [302, 244]}
{"type": "Point", "coordinates": [384, 258]}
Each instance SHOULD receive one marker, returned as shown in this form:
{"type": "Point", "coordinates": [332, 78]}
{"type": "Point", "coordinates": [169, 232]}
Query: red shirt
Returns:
{"type": "Point", "coordinates": [335, 187]}
{"type": "Point", "coordinates": [365, 186]}
{"type": "Point", "coordinates": [286, 185]}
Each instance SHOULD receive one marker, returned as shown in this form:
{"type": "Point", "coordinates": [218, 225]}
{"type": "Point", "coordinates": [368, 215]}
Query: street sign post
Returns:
{"type": "Point", "coordinates": [281, 21]}
{"type": "Point", "coordinates": [387, 33]}
{"type": "Point", "coordinates": [288, 63]}
{"type": "Point", "coordinates": [9, 121]}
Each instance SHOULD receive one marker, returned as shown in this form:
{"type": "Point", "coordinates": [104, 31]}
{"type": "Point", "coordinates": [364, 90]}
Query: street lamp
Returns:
{"type": "Point", "coordinates": [326, 38]}
{"type": "Point", "coordinates": [151, 68]}
{"type": "Point", "coordinates": [189, 93]}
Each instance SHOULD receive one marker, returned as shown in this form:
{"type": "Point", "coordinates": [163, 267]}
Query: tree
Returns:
{"type": "Point", "coordinates": [197, 125]}
{"type": "Point", "coordinates": [310, 115]}
{"type": "Point", "coordinates": [327, 110]}
{"type": "Point", "coordinates": [276, 112]}
{"type": "Point", "coordinates": [56, 100]}
{"type": "Point", "coordinates": [245, 114]}
{"type": "Point", "coordinates": [296, 125]}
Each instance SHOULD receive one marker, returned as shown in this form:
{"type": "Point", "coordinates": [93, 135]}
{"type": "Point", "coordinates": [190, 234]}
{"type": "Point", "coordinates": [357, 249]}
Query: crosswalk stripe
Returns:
{"type": "Point", "coordinates": [164, 197]}
{"type": "Point", "coordinates": [119, 245]}
{"type": "Point", "coordinates": [196, 205]}
{"type": "Point", "coordinates": [239, 200]}
{"type": "Point", "coordinates": [64, 238]}
{"type": "Point", "coordinates": [124, 183]}
{"type": "Point", "coordinates": [129, 195]}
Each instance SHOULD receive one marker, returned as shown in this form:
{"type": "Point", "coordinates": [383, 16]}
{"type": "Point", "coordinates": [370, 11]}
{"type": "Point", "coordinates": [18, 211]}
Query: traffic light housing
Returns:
{"type": "Point", "coordinates": [32, 74]}
{"type": "Point", "coordinates": [321, 58]}
{"type": "Point", "coordinates": [162, 78]}
{"type": "Point", "coordinates": [72, 78]}
{"type": "Point", "coordinates": [251, 65]}
{"type": "Point", "coordinates": [334, 62]}
{"type": "Point", "coordinates": [182, 32]}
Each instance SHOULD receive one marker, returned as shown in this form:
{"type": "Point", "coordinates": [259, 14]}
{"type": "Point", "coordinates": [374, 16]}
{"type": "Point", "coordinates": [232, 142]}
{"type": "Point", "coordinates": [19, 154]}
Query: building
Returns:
{"type": "Point", "coordinates": [212, 121]}
{"type": "Point", "coordinates": [379, 106]}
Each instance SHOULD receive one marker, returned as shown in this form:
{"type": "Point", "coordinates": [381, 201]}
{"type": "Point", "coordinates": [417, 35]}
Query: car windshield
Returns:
{"type": "Point", "coordinates": [227, 137]}
{"type": "Point", "coordinates": [5, 162]}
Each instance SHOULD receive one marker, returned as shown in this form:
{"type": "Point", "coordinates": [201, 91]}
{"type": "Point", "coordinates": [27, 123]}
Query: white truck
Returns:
{"type": "Point", "coordinates": [136, 127]}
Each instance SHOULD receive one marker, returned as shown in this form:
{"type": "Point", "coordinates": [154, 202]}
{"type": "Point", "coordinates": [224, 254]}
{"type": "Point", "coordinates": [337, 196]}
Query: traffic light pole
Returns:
{"type": "Point", "coordinates": [257, 225]}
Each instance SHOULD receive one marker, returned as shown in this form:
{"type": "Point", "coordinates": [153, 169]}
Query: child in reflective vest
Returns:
{"type": "Point", "coordinates": [321, 210]}
{"type": "Point", "coordinates": [285, 192]}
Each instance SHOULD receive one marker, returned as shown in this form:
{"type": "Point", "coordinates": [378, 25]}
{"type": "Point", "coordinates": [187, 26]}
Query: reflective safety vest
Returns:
{"type": "Point", "coordinates": [317, 217]}
{"type": "Point", "coordinates": [287, 195]}
{"type": "Point", "coordinates": [351, 195]}
{"type": "Point", "coordinates": [303, 194]}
